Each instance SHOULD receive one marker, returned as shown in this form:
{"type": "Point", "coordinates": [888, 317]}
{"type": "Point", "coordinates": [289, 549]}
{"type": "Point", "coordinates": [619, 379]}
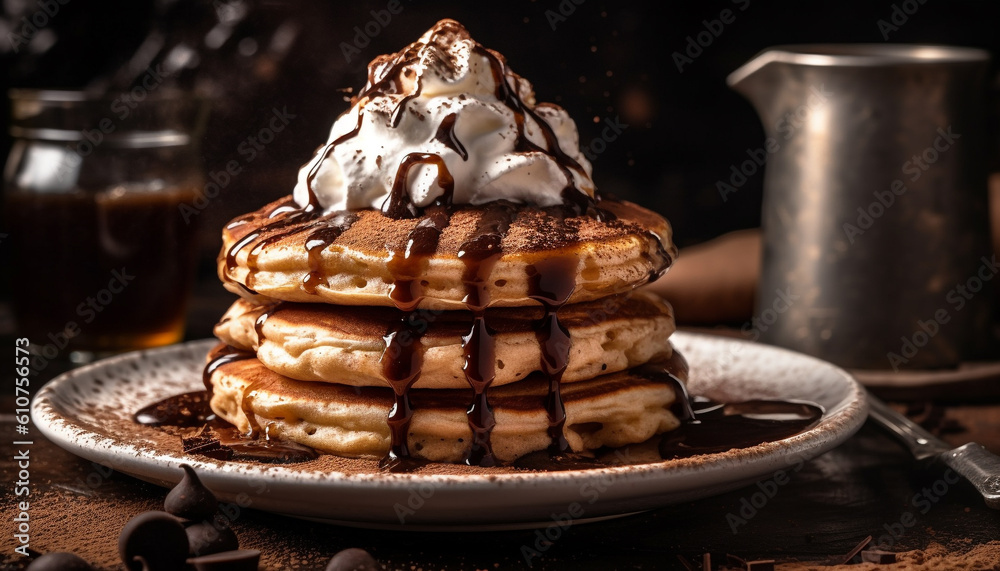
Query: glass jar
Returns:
{"type": "Point", "coordinates": [103, 256]}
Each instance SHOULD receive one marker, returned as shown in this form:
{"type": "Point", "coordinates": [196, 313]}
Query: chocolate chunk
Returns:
{"type": "Point", "coordinates": [857, 549]}
{"type": "Point", "coordinates": [206, 443]}
{"type": "Point", "coordinates": [876, 556]}
{"type": "Point", "coordinates": [59, 561]}
{"type": "Point", "coordinates": [211, 536]}
{"type": "Point", "coordinates": [153, 541]}
{"type": "Point", "coordinates": [353, 559]}
{"type": "Point", "coordinates": [239, 560]}
{"type": "Point", "coordinates": [190, 499]}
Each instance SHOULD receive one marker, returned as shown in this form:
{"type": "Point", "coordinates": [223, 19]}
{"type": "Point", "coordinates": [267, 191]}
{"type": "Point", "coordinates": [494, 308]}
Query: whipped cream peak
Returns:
{"type": "Point", "coordinates": [445, 121]}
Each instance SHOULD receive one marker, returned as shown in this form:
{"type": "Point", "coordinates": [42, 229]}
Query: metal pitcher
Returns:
{"type": "Point", "coordinates": [876, 250]}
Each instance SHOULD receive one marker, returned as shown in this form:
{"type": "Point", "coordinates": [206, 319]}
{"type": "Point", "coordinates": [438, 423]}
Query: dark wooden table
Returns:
{"type": "Point", "coordinates": [867, 487]}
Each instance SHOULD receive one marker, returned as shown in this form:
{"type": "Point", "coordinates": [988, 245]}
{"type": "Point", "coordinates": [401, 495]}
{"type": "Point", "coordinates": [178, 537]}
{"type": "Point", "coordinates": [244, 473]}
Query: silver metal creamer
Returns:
{"type": "Point", "coordinates": [876, 250]}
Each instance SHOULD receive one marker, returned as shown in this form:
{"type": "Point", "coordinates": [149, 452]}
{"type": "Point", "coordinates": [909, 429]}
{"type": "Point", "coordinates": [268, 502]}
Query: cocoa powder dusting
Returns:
{"type": "Point", "coordinates": [534, 229]}
{"type": "Point", "coordinates": [934, 557]}
{"type": "Point", "coordinates": [74, 522]}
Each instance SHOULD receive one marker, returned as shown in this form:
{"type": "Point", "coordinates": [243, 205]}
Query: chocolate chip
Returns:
{"type": "Point", "coordinates": [211, 536]}
{"type": "Point", "coordinates": [59, 561]}
{"type": "Point", "coordinates": [353, 559]}
{"type": "Point", "coordinates": [155, 537]}
{"type": "Point", "coordinates": [190, 499]}
{"type": "Point", "coordinates": [240, 560]}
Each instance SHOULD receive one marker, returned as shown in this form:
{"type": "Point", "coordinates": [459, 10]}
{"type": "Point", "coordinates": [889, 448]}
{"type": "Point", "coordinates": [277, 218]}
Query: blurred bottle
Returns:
{"type": "Point", "coordinates": [103, 256]}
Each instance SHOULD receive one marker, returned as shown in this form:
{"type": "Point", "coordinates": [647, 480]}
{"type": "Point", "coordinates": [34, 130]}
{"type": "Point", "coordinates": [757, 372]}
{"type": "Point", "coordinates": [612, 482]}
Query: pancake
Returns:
{"type": "Point", "coordinates": [608, 411]}
{"type": "Point", "coordinates": [344, 344]}
{"type": "Point", "coordinates": [499, 253]}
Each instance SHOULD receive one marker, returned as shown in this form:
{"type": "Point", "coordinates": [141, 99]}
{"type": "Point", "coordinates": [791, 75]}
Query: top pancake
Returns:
{"type": "Point", "coordinates": [519, 253]}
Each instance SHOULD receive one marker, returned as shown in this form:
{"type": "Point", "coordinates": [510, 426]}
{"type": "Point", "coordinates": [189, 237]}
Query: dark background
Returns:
{"type": "Point", "coordinates": [600, 60]}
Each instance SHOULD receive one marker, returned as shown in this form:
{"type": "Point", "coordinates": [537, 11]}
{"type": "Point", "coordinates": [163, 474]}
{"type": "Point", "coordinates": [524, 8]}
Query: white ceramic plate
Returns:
{"type": "Point", "coordinates": [87, 411]}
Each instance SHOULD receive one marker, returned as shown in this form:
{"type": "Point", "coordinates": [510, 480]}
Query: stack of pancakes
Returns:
{"type": "Point", "coordinates": [470, 334]}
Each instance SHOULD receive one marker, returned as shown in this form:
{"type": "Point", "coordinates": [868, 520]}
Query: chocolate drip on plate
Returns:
{"type": "Point", "coordinates": [184, 410]}
{"type": "Point", "coordinates": [224, 442]}
{"type": "Point", "coordinates": [720, 427]}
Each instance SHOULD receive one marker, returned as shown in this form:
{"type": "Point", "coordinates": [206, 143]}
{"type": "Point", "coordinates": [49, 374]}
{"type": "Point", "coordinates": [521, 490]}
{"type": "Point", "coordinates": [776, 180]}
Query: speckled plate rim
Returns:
{"type": "Point", "coordinates": [721, 368]}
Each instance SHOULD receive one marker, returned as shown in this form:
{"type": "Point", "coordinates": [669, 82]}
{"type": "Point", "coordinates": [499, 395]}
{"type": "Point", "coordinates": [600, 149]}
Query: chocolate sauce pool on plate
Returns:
{"type": "Point", "coordinates": [718, 427]}
{"type": "Point", "coordinates": [186, 410]}
{"type": "Point", "coordinates": [714, 427]}
{"type": "Point", "coordinates": [217, 438]}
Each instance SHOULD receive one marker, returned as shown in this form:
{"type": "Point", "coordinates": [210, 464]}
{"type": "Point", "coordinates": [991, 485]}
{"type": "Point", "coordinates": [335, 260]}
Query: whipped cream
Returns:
{"type": "Point", "coordinates": [434, 125]}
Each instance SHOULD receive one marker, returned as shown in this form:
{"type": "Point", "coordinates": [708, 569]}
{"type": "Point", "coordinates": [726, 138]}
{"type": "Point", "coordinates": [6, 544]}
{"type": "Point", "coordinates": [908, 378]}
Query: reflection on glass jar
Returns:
{"type": "Point", "coordinates": [103, 258]}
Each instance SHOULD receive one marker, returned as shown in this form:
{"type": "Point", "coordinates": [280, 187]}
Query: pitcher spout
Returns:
{"type": "Point", "coordinates": [757, 80]}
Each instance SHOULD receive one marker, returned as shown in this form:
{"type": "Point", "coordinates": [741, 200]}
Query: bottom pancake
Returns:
{"type": "Point", "coordinates": [608, 411]}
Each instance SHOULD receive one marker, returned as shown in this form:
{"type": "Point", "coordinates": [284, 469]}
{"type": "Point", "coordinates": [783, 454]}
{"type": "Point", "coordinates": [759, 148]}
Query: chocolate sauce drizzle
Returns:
{"type": "Point", "coordinates": [219, 358]}
{"type": "Point", "coordinates": [320, 240]}
{"type": "Point", "coordinates": [399, 204]}
{"type": "Point", "coordinates": [401, 363]}
{"type": "Point", "coordinates": [507, 94]}
{"type": "Point", "coordinates": [262, 242]}
{"type": "Point", "coordinates": [551, 281]}
{"type": "Point", "coordinates": [480, 253]}
{"type": "Point", "coordinates": [446, 136]}
{"type": "Point", "coordinates": [263, 313]}
{"type": "Point", "coordinates": [314, 203]}
{"type": "Point", "coordinates": [407, 260]}
{"type": "Point", "coordinates": [284, 220]}
{"type": "Point", "coordinates": [246, 405]}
